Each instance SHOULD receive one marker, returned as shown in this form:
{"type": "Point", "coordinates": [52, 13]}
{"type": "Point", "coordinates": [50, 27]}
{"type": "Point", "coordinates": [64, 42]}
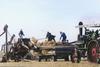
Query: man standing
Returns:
{"type": "Point", "coordinates": [21, 34]}
{"type": "Point", "coordinates": [63, 37]}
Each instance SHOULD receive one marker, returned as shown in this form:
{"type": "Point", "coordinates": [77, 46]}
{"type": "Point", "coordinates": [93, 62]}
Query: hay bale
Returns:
{"type": "Point", "coordinates": [34, 40]}
{"type": "Point", "coordinates": [49, 43]}
{"type": "Point", "coordinates": [45, 43]}
{"type": "Point", "coordinates": [38, 44]}
{"type": "Point", "coordinates": [59, 43]}
{"type": "Point", "coordinates": [35, 53]}
{"type": "Point", "coordinates": [45, 52]}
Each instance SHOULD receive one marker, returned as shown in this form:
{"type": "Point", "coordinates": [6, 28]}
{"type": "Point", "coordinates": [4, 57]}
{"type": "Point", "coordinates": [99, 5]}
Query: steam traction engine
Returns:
{"type": "Point", "coordinates": [91, 42]}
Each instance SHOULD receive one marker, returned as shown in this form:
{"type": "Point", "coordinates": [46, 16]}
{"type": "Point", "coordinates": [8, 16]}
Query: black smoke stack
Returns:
{"type": "Point", "coordinates": [80, 28]}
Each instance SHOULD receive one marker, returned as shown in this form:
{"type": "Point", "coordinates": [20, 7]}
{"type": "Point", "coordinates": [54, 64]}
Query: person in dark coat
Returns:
{"type": "Point", "coordinates": [21, 34]}
{"type": "Point", "coordinates": [63, 37]}
{"type": "Point", "coordinates": [50, 37]}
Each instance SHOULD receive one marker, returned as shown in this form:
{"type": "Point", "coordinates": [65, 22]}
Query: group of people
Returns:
{"type": "Point", "coordinates": [51, 37]}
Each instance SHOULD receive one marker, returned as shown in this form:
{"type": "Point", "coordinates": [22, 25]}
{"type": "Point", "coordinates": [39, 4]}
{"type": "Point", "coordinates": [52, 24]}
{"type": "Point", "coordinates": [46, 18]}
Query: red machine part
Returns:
{"type": "Point", "coordinates": [94, 53]}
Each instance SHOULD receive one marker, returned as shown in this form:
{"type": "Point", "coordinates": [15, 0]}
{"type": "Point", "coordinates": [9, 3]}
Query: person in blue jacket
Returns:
{"type": "Point", "coordinates": [63, 37]}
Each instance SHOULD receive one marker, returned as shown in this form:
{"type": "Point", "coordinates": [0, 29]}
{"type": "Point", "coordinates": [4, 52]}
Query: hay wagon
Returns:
{"type": "Point", "coordinates": [60, 51]}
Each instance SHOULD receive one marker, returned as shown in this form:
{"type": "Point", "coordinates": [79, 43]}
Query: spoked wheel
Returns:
{"type": "Point", "coordinates": [76, 56]}
{"type": "Point", "coordinates": [98, 59]}
{"type": "Point", "coordinates": [92, 51]}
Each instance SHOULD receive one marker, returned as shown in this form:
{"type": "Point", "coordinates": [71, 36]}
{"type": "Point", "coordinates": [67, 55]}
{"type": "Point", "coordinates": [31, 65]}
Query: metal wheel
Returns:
{"type": "Point", "coordinates": [92, 51]}
{"type": "Point", "coordinates": [55, 58]}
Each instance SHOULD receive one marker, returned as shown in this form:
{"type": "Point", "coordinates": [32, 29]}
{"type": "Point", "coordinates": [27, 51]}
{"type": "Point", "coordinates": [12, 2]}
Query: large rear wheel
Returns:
{"type": "Point", "coordinates": [92, 51]}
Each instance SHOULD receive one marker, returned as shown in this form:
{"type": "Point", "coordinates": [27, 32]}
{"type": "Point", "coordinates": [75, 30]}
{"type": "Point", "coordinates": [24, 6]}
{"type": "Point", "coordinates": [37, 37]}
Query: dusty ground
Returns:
{"type": "Point", "coordinates": [59, 63]}
{"type": "Point", "coordinates": [48, 64]}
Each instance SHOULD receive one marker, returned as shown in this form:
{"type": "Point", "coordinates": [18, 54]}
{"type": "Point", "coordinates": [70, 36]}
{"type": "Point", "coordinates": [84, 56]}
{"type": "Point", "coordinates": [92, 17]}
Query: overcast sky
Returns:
{"type": "Point", "coordinates": [36, 17]}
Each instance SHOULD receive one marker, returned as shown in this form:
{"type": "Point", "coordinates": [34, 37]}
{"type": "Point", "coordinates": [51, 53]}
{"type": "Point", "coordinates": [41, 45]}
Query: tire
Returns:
{"type": "Point", "coordinates": [92, 51]}
{"type": "Point", "coordinates": [98, 61]}
{"type": "Point", "coordinates": [78, 57]}
{"type": "Point", "coordinates": [66, 59]}
{"type": "Point", "coordinates": [72, 59]}
{"type": "Point", "coordinates": [52, 58]}
{"type": "Point", "coordinates": [4, 59]}
{"type": "Point", "coordinates": [55, 58]}
{"type": "Point", "coordinates": [78, 61]}
{"type": "Point", "coordinates": [46, 59]}
{"type": "Point", "coordinates": [39, 59]}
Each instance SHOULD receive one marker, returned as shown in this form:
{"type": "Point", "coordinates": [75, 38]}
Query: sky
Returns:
{"type": "Point", "coordinates": [36, 17]}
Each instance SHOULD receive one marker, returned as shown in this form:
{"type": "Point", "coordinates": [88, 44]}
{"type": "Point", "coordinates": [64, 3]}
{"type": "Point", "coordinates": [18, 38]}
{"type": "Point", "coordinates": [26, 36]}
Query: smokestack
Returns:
{"type": "Point", "coordinates": [80, 28]}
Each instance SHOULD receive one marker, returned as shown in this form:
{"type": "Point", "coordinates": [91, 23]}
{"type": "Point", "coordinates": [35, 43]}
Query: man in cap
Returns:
{"type": "Point", "coordinates": [63, 37]}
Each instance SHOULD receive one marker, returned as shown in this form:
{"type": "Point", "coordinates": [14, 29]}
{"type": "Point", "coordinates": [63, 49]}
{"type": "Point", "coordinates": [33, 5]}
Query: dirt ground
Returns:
{"type": "Point", "coordinates": [48, 64]}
